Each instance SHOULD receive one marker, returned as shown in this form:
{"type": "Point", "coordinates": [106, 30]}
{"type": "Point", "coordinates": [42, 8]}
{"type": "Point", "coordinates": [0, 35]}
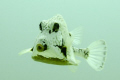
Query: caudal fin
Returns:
{"type": "Point", "coordinates": [97, 55]}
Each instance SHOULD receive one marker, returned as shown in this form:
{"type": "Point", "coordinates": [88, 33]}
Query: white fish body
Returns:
{"type": "Point", "coordinates": [54, 45]}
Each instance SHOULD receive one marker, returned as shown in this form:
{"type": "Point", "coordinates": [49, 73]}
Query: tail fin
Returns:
{"type": "Point", "coordinates": [97, 55]}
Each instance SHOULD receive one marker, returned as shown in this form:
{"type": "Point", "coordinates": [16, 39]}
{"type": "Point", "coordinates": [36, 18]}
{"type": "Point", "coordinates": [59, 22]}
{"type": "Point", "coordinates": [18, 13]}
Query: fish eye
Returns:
{"type": "Point", "coordinates": [55, 27]}
{"type": "Point", "coordinates": [40, 26]}
{"type": "Point", "coordinates": [40, 48]}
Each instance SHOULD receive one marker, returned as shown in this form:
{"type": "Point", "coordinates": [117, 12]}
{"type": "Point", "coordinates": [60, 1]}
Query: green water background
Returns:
{"type": "Point", "coordinates": [19, 26]}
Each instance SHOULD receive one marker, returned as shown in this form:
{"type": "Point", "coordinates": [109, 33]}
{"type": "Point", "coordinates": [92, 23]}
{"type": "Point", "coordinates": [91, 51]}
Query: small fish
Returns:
{"type": "Point", "coordinates": [56, 45]}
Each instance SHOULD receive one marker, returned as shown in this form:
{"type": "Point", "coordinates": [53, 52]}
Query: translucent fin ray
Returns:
{"type": "Point", "coordinates": [97, 55]}
{"type": "Point", "coordinates": [25, 51]}
{"type": "Point", "coordinates": [76, 34]}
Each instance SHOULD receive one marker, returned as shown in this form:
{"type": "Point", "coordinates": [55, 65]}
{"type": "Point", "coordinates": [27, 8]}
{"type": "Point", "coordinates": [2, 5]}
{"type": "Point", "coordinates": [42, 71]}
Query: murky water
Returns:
{"type": "Point", "coordinates": [19, 26]}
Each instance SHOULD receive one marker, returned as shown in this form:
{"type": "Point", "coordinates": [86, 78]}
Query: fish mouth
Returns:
{"type": "Point", "coordinates": [55, 61]}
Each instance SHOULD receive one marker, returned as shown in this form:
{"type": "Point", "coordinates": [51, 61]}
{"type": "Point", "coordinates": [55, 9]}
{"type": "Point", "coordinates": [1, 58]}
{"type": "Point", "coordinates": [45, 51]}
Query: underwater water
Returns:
{"type": "Point", "coordinates": [19, 27]}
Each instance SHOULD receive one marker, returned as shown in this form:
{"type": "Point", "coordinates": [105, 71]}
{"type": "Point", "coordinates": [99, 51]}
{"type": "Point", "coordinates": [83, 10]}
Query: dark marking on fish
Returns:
{"type": "Point", "coordinates": [45, 47]}
{"type": "Point", "coordinates": [80, 50]}
{"type": "Point", "coordinates": [73, 49]}
{"type": "Point", "coordinates": [101, 66]}
{"type": "Point", "coordinates": [49, 31]}
{"type": "Point", "coordinates": [69, 34]}
{"type": "Point", "coordinates": [55, 27]}
{"type": "Point", "coordinates": [86, 53]}
{"type": "Point", "coordinates": [58, 46]}
{"type": "Point", "coordinates": [62, 42]}
{"type": "Point", "coordinates": [40, 26]}
{"type": "Point", "coordinates": [63, 50]}
{"type": "Point", "coordinates": [32, 49]}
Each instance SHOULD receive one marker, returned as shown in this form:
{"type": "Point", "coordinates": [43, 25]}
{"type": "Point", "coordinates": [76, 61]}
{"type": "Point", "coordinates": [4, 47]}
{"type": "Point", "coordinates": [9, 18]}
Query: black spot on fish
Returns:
{"type": "Point", "coordinates": [59, 46]}
{"type": "Point", "coordinates": [32, 49]}
{"type": "Point", "coordinates": [86, 53]}
{"type": "Point", "coordinates": [55, 27]}
{"type": "Point", "coordinates": [40, 26]}
{"type": "Point", "coordinates": [63, 50]}
{"type": "Point", "coordinates": [69, 34]}
{"type": "Point", "coordinates": [49, 31]}
{"type": "Point", "coordinates": [45, 47]}
{"type": "Point", "coordinates": [62, 42]}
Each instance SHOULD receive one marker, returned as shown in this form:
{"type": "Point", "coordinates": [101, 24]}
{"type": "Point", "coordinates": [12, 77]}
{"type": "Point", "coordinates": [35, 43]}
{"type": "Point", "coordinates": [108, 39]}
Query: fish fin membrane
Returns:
{"type": "Point", "coordinates": [73, 68]}
{"type": "Point", "coordinates": [76, 34]}
{"type": "Point", "coordinates": [97, 55]}
{"type": "Point", "coordinates": [25, 51]}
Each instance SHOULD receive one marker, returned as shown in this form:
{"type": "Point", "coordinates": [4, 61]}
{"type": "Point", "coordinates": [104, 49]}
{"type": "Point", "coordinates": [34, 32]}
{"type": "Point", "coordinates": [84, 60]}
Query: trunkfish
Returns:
{"type": "Point", "coordinates": [56, 45]}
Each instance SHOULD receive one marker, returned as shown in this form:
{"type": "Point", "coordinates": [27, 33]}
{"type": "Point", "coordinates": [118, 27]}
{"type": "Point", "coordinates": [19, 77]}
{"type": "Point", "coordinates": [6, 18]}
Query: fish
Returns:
{"type": "Point", "coordinates": [56, 45]}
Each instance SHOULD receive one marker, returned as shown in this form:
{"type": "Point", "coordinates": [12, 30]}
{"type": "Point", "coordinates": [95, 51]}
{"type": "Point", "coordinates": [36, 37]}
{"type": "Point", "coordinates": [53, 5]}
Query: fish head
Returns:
{"type": "Point", "coordinates": [49, 42]}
